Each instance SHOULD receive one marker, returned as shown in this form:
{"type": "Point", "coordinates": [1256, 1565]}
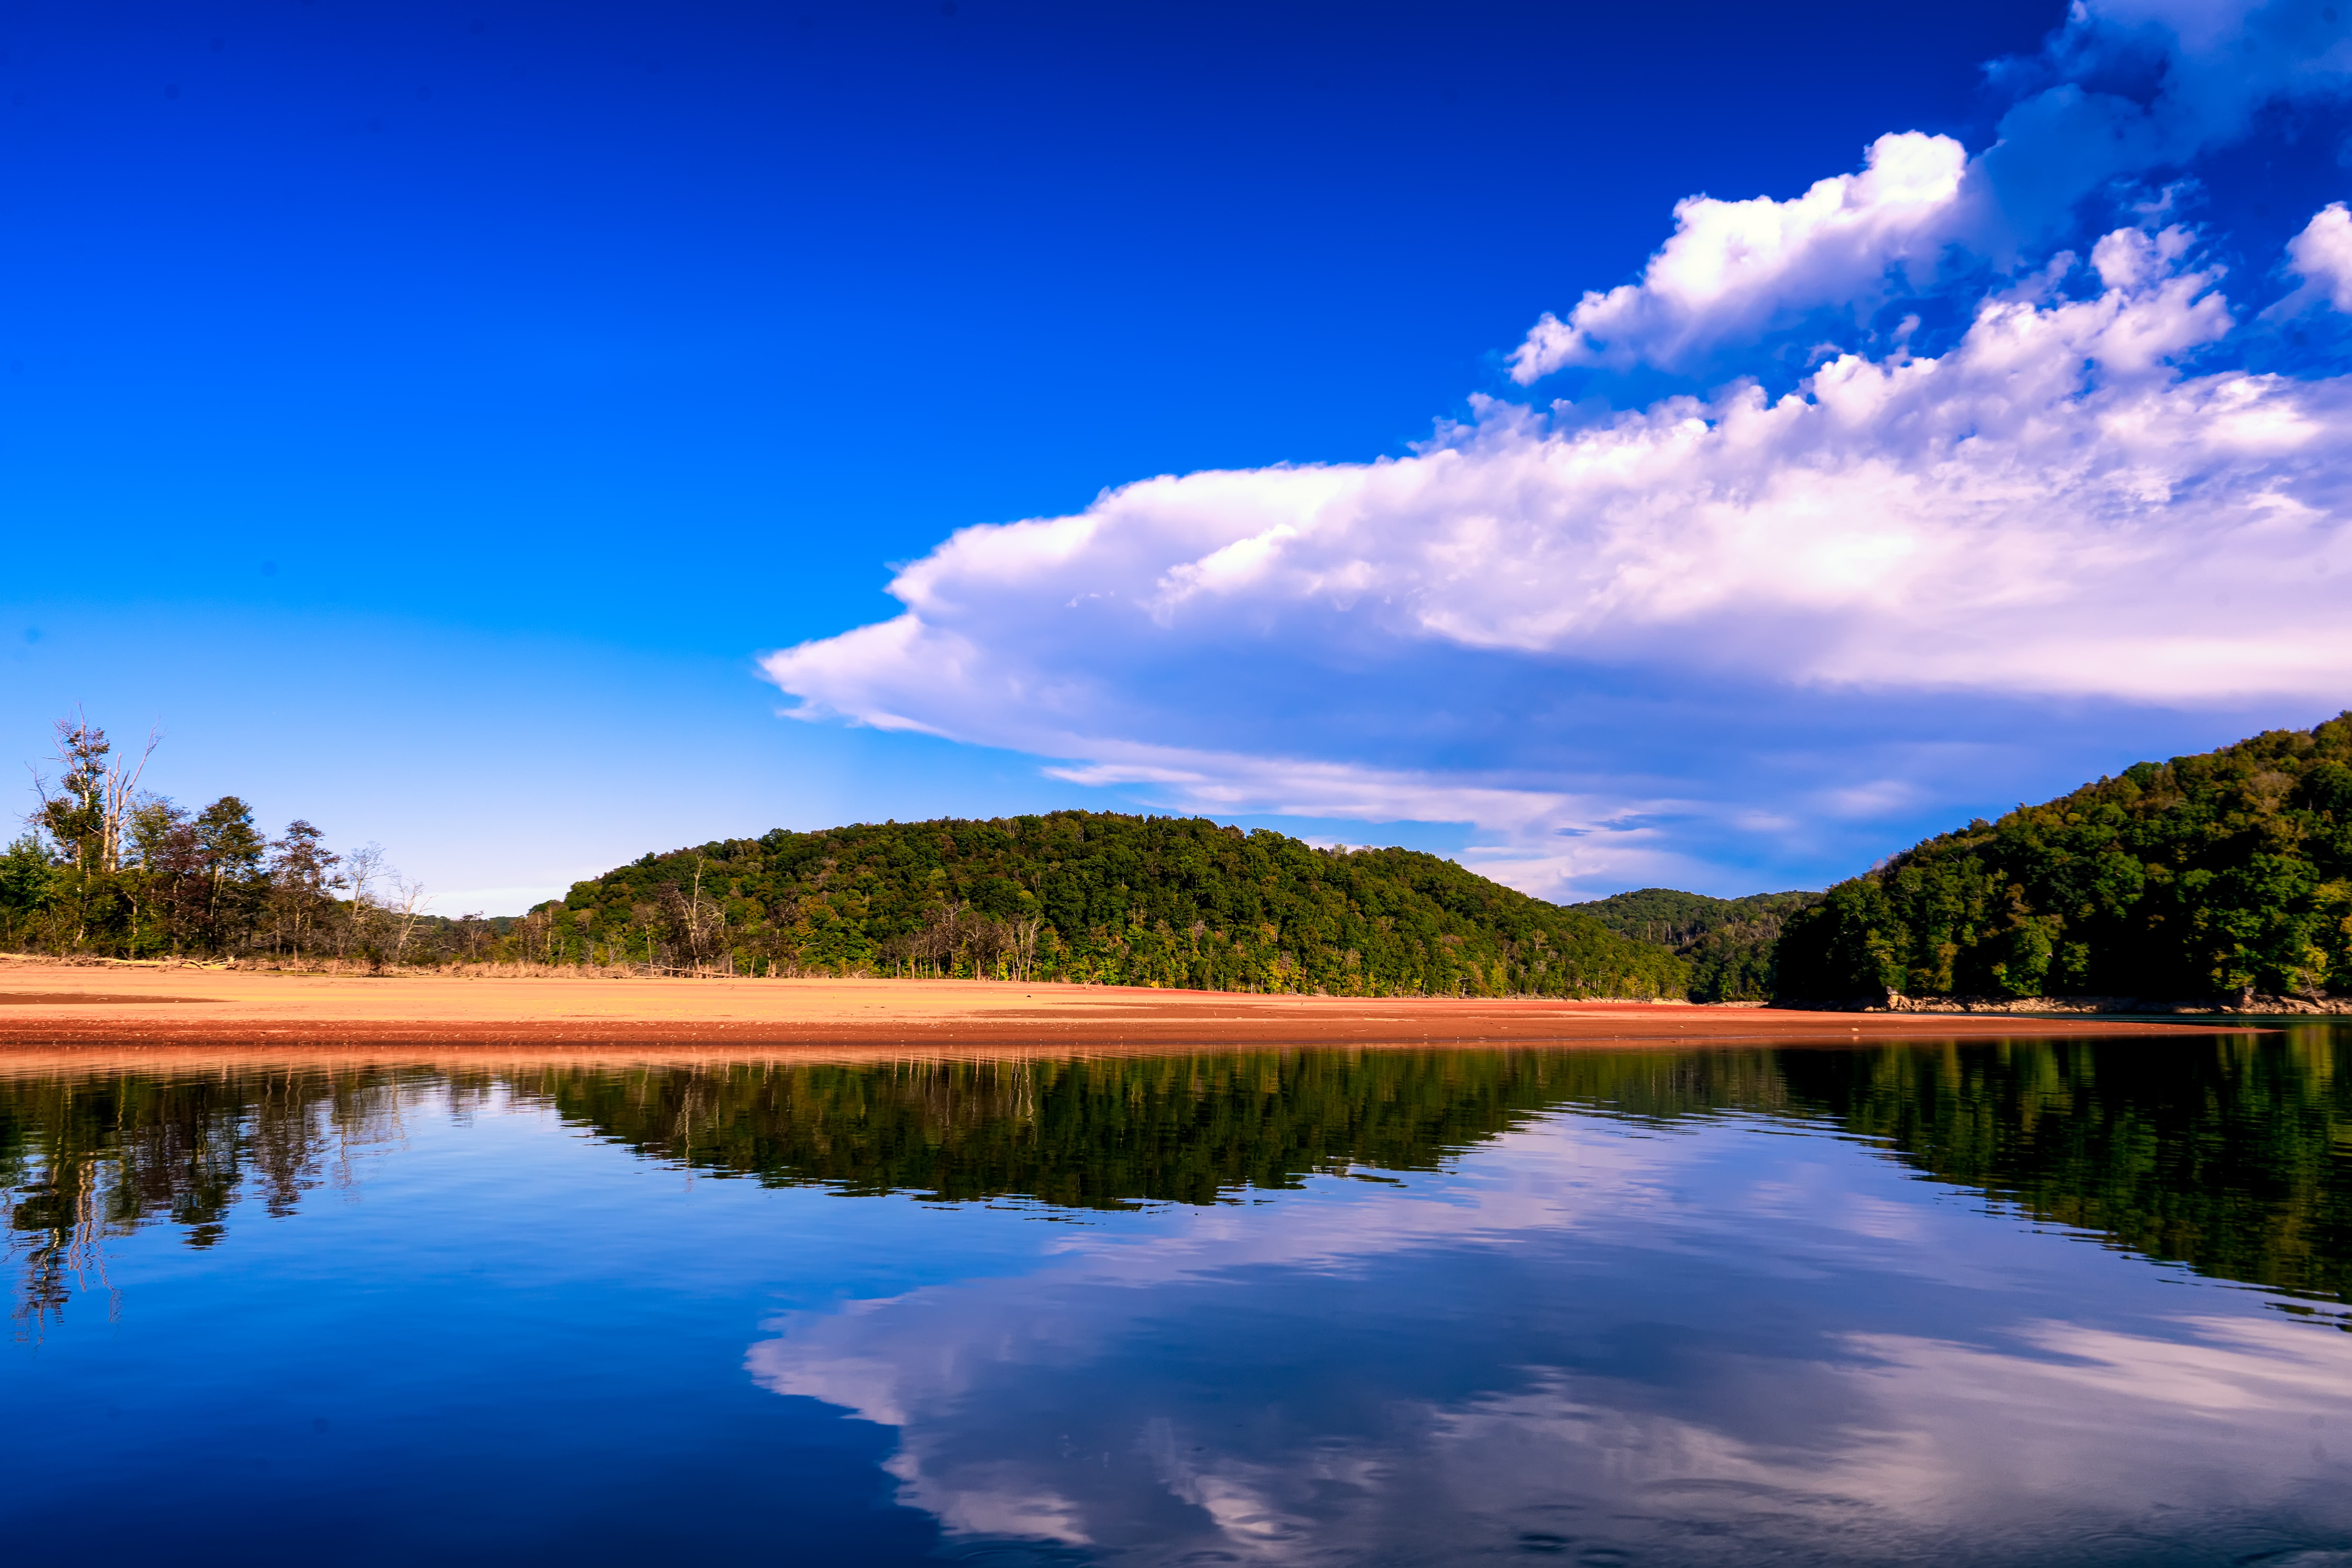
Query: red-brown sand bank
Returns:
{"type": "Point", "coordinates": [51, 1007]}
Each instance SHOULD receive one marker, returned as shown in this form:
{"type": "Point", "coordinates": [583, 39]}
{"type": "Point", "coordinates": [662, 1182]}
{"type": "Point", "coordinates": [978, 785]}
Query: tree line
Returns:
{"type": "Point", "coordinates": [1103, 897]}
{"type": "Point", "coordinates": [2225, 875]}
{"type": "Point", "coordinates": [1728, 944]}
{"type": "Point", "coordinates": [106, 867]}
{"type": "Point", "coordinates": [109, 867]}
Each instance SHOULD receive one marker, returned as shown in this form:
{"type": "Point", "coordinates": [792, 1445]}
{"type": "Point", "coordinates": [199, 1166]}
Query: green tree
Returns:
{"type": "Point", "coordinates": [302, 886]}
{"type": "Point", "coordinates": [28, 878]}
{"type": "Point", "coordinates": [229, 854]}
{"type": "Point", "coordinates": [1727, 943]}
{"type": "Point", "coordinates": [1101, 896]}
{"type": "Point", "coordinates": [2224, 874]}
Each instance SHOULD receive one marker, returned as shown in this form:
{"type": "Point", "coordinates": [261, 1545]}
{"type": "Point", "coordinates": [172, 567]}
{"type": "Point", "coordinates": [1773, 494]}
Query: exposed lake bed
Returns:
{"type": "Point", "coordinates": [2034, 1298]}
{"type": "Point", "coordinates": [118, 1008]}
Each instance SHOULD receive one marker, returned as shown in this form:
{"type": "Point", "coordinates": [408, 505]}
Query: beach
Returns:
{"type": "Point", "coordinates": [71, 1007]}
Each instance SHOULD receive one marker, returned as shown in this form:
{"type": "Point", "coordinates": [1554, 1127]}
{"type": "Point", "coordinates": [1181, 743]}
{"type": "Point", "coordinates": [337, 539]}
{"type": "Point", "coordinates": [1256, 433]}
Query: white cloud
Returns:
{"type": "Point", "coordinates": [1072, 1401]}
{"type": "Point", "coordinates": [2051, 507]}
{"type": "Point", "coordinates": [1532, 821]}
{"type": "Point", "coordinates": [1735, 270]}
{"type": "Point", "coordinates": [2322, 256]}
{"type": "Point", "coordinates": [1733, 265]}
{"type": "Point", "coordinates": [1517, 625]}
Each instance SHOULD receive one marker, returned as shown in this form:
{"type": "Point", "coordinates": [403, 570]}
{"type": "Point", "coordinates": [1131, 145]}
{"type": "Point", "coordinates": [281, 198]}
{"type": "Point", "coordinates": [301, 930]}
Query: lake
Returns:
{"type": "Point", "coordinates": [2033, 1300]}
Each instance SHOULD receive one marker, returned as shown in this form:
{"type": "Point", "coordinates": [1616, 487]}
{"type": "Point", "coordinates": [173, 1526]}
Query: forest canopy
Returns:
{"type": "Point", "coordinates": [1727, 943]}
{"type": "Point", "coordinates": [2224, 875]}
{"type": "Point", "coordinates": [1109, 897]}
{"type": "Point", "coordinates": [2221, 876]}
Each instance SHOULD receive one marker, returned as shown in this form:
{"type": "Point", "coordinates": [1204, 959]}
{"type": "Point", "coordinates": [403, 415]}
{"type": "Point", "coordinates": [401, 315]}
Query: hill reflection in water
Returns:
{"type": "Point", "coordinates": [1731, 1306]}
{"type": "Point", "coordinates": [2227, 1154]}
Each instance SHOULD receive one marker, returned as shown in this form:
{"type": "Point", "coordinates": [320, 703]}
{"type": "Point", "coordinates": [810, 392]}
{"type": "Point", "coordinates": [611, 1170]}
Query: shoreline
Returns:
{"type": "Point", "coordinates": [51, 1007]}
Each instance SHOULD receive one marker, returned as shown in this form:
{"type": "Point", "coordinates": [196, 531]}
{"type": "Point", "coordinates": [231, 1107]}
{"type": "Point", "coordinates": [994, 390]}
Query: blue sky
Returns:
{"type": "Point", "coordinates": [432, 416]}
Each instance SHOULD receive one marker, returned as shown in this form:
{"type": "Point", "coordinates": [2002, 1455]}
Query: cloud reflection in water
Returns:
{"type": "Point", "coordinates": [1723, 1343]}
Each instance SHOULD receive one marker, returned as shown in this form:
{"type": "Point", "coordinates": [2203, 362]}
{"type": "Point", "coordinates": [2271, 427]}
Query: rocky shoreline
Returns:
{"type": "Point", "coordinates": [2251, 1003]}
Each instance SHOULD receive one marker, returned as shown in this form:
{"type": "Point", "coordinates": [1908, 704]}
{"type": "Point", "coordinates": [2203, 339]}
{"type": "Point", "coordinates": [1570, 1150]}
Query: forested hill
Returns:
{"type": "Point", "coordinates": [2216, 875]}
{"type": "Point", "coordinates": [1727, 943]}
{"type": "Point", "coordinates": [1092, 896]}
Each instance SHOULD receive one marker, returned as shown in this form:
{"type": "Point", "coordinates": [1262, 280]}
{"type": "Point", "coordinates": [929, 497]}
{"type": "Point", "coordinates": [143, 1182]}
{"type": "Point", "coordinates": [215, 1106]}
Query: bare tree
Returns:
{"type": "Point", "coordinates": [698, 921]}
{"type": "Point", "coordinates": [942, 936]}
{"type": "Point", "coordinates": [88, 810]}
{"type": "Point", "coordinates": [362, 868]}
{"type": "Point", "coordinates": [984, 939]}
{"type": "Point", "coordinates": [1020, 945]}
{"type": "Point", "coordinates": [534, 934]}
{"type": "Point", "coordinates": [954, 932]}
{"type": "Point", "coordinates": [472, 930]}
{"type": "Point", "coordinates": [406, 913]}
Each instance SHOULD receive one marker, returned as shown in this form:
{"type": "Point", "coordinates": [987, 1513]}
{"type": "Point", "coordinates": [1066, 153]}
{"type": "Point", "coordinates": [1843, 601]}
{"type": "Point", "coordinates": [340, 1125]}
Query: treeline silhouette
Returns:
{"type": "Point", "coordinates": [2222, 1153]}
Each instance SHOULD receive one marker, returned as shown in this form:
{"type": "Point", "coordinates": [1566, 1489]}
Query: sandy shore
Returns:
{"type": "Point", "coordinates": [47, 1007]}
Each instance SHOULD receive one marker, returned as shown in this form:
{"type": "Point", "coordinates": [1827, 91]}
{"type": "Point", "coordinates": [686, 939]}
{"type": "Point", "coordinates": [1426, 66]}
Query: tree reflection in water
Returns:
{"type": "Point", "coordinates": [2232, 1155]}
{"type": "Point", "coordinates": [86, 1156]}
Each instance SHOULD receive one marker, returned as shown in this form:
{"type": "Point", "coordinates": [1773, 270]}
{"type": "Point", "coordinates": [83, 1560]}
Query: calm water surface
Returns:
{"type": "Point", "coordinates": [2034, 1302]}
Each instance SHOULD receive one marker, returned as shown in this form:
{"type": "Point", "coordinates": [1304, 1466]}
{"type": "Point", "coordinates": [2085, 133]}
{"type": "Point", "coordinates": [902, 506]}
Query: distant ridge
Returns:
{"type": "Point", "coordinates": [1102, 896]}
{"type": "Point", "coordinates": [2224, 875]}
{"type": "Point", "coordinates": [1727, 943]}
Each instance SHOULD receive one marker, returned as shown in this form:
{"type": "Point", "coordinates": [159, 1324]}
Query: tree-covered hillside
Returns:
{"type": "Point", "coordinates": [2216, 875]}
{"type": "Point", "coordinates": [1727, 943]}
{"type": "Point", "coordinates": [1139, 900]}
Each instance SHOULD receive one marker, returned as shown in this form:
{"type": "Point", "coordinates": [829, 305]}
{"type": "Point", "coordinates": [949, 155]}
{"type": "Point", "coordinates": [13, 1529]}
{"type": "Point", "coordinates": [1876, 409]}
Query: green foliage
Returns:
{"type": "Point", "coordinates": [1727, 943]}
{"type": "Point", "coordinates": [28, 875]}
{"type": "Point", "coordinates": [1139, 901]}
{"type": "Point", "coordinates": [2219, 875]}
{"type": "Point", "coordinates": [74, 813]}
{"type": "Point", "coordinates": [111, 870]}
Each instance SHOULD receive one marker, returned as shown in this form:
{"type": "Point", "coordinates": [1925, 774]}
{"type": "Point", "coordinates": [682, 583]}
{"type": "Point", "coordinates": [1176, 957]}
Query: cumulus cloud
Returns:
{"type": "Point", "coordinates": [1622, 646]}
{"type": "Point", "coordinates": [2051, 507]}
{"type": "Point", "coordinates": [1733, 266]}
{"type": "Point", "coordinates": [1924, 521]}
{"type": "Point", "coordinates": [1734, 272]}
{"type": "Point", "coordinates": [2322, 256]}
